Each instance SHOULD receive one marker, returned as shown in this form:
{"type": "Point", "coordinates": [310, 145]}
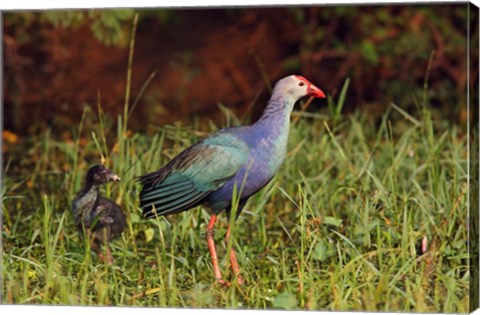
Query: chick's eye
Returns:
{"type": "Point", "coordinates": [301, 84]}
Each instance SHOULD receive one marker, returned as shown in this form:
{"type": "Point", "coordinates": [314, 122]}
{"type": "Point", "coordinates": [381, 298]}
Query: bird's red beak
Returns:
{"type": "Point", "coordinates": [314, 91]}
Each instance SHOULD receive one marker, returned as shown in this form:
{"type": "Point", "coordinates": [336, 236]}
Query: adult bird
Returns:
{"type": "Point", "coordinates": [98, 217]}
{"type": "Point", "coordinates": [244, 158]}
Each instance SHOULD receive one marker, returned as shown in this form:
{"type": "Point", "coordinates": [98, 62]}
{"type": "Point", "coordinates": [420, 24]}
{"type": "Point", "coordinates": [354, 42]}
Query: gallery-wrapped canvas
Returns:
{"type": "Point", "coordinates": [302, 157]}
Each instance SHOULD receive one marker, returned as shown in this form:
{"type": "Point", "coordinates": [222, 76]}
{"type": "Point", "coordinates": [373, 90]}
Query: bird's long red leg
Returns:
{"type": "Point", "coordinates": [213, 252]}
{"type": "Point", "coordinates": [233, 259]}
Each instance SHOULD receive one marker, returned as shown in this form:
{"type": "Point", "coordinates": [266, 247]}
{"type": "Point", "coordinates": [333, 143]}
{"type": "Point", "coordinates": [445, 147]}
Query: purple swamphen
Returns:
{"type": "Point", "coordinates": [244, 157]}
{"type": "Point", "coordinates": [99, 218]}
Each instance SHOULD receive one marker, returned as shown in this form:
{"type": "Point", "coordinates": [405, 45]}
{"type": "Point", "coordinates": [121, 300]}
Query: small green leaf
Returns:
{"type": "Point", "coordinates": [320, 251]}
{"type": "Point", "coordinates": [285, 300]}
{"type": "Point", "coordinates": [149, 234]}
{"type": "Point", "coordinates": [459, 244]}
{"type": "Point", "coordinates": [332, 221]}
{"type": "Point", "coordinates": [134, 217]}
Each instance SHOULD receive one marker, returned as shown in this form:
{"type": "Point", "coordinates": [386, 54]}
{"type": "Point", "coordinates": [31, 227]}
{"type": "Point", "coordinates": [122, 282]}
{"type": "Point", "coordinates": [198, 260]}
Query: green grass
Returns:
{"type": "Point", "coordinates": [339, 227]}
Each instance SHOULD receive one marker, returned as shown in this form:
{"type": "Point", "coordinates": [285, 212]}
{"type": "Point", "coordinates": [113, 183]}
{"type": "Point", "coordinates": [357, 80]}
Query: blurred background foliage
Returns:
{"type": "Point", "coordinates": [57, 62]}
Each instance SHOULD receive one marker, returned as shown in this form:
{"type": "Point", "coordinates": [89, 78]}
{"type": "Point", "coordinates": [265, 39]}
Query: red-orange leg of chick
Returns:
{"type": "Point", "coordinates": [213, 252]}
{"type": "Point", "coordinates": [109, 255]}
{"type": "Point", "coordinates": [233, 260]}
{"type": "Point", "coordinates": [108, 259]}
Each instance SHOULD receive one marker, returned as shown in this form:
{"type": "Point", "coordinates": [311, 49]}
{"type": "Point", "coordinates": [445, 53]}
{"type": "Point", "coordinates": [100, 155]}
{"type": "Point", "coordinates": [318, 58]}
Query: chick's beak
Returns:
{"type": "Point", "coordinates": [315, 91]}
{"type": "Point", "coordinates": [115, 178]}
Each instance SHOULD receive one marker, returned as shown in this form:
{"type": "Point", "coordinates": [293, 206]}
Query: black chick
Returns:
{"type": "Point", "coordinates": [99, 218]}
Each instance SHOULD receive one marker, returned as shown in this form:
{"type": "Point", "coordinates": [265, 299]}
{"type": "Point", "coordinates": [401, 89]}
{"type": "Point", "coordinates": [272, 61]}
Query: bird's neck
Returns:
{"type": "Point", "coordinates": [88, 194]}
{"type": "Point", "coordinates": [85, 200]}
{"type": "Point", "coordinates": [277, 112]}
{"type": "Point", "coordinates": [271, 130]}
{"type": "Point", "coordinates": [88, 187]}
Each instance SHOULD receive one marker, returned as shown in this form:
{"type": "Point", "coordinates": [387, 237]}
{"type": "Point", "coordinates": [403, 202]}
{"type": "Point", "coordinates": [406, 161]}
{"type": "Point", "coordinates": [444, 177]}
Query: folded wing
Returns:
{"type": "Point", "coordinates": [191, 176]}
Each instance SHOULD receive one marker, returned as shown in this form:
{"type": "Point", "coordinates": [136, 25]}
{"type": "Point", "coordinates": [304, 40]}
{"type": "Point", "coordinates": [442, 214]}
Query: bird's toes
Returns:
{"type": "Point", "coordinates": [222, 282]}
{"type": "Point", "coordinates": [240, 280]}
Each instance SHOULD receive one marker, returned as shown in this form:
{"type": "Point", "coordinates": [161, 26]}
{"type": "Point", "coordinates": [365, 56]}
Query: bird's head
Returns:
{"type": "Point", "coordinates": [99, 174]}
{"type": "Point", "coordinates": [296, 87]}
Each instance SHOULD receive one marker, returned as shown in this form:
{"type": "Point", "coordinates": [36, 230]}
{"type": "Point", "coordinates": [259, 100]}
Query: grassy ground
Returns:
{"type": "Point", "coordinates": [340, 227]}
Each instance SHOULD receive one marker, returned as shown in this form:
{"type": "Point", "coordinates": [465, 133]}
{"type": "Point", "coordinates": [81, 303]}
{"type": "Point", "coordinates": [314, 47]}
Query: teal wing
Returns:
{"type": "Point", "coordinates": [192, 175]}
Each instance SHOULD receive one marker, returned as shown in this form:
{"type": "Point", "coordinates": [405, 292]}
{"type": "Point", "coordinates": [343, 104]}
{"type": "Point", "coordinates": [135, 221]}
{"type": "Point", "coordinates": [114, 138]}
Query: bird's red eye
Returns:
{"type": "Point", "coordinates": [301, 83]}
